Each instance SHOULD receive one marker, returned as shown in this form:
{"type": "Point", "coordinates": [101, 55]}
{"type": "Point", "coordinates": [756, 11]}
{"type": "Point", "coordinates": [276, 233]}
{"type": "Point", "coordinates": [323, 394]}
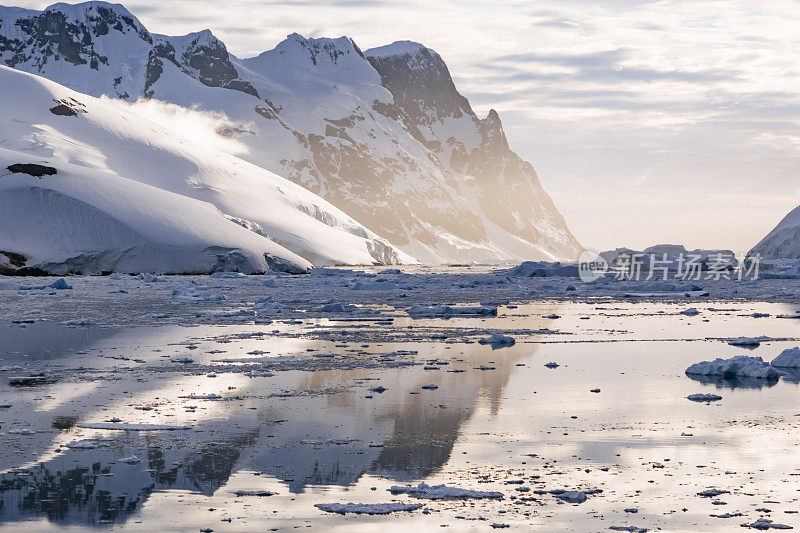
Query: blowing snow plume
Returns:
{"type": "Point", "coordinates": [211, 129]}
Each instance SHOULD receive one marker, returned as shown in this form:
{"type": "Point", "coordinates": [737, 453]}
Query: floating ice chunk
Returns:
{"type": "Point", "coordinates": [60, 284]}
{"type": "Point", "coordinates": [254, 493]}
{"type": "Point", "coordinates": [497, 340]}
{"type": "Point", "coordinates": [574, 496]}
{"type": "Point", "coordinates": [132, 460]}
{"type": "Point", "coordinates": [764, 524]}
{"type": "Point", "coordinates": [377, 285]}
{"type": "Point", "coordinates": [444, 311]}
{"type": "Point", "coordinates": [191, 292]}
{"type": "Point", "coordinates": [131, 427]}
{"type": "Point", "coordinates": [788, 359]}
{"type": "Point", "coordinates": [495, 302]}
{"type": "Point", "coordinates": [86, 444]}
{"type": "Point", "coordinates": [79, 322]}
{"type": "Point", "coordinates": [209, 396]}
{"type": "Point", "coordinates": [268, 307]}
{"type": "Point", "coordinates": [367, 508]}
{"type": "Point", "coordinates": [28, 381]}
{"type": "Point", "coordinates": [338, 442]}
{"type": "Point", "coordinates": [735, 367]}
{"type": "Point", "coordinates": [712, 493]}
{"type": "Point", "coordinates": [149, 278]}
{"type": "Point", "coordinates": [543, 269]}
{"type": "Point", "coordinates": [704, 397]}
{"type": "Point", "coordinates": [334, 308]}
{"type": "Point", "coordinates": [745, 342]}
{"type": "Point", "coordinates": [443, 492]}
{"type": "Point", "coordinates": [227, 275]}
{"type": "Point", "coordinates": [183, 360]}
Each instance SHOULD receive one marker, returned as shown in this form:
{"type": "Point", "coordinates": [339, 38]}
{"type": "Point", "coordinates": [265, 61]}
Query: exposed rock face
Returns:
{"type": "Point", "coordinates": [199, 55]}
{"type": "Point", "coordinates": [383, 135]}
{"type": "Point", "coordinates": [505, 186]}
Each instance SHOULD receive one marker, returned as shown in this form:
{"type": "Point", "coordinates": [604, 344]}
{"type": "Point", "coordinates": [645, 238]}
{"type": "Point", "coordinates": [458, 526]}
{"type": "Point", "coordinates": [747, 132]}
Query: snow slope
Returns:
{"type": "Point", "coordinates": [783, 242]}
{"type": "Point", "coordinates": [132, 195]}
{"type": "Point", "coordinates": [383, 135]}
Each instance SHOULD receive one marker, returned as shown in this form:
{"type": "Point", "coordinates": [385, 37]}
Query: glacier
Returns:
{"type": "Point", "coordinates": [130, 195]}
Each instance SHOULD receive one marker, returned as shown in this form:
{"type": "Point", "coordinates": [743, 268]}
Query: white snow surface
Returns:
{"type": "Point", "coordinates": [131, 195]}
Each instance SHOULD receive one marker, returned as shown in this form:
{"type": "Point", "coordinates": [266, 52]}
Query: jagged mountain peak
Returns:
{"type": "Point", "coordinates": [319, 50]}
{"type": "Point", "coordinates": [419, 81]}
{"type": "Point", "coordinates": [197, 37]}
{"type": "Point", "coordinates": [492, 133]}
{"type": "Point", "coordinates": [321, 60]}
{"type": "Point", "coordinates": [103, 16]}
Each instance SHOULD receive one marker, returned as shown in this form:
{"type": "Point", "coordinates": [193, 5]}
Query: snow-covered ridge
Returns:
{"type": "Point", "coordinates": [383, 135]}
{"type": "Point", "coordinates": [783, 242]}
{"type": "Point", "coordinates": [397, 48]}
{"type": "Point", "coordinates": [110, 190]}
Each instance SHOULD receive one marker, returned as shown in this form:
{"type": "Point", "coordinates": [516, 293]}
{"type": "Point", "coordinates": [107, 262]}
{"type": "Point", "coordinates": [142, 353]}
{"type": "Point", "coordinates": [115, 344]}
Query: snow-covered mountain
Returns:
{"type": "Point", "coordinates": [783, 242]}
{"type": "Point", "coordinates": [91, 185]}
{"type": "Point", "coordinates": [383, 135]}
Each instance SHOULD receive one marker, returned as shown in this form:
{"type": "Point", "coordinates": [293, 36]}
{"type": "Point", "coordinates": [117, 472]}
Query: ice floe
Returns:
{"type": "Point", "coordinates": [704, 397]}
{"type": "Point", "coordinates": [367, 508]}
{"type": "Point", "coordinates": [739, 366]}
{"type": "Point", "coordinates": [497, 340]}
{"type": "Point", "coordinates": [787, 359]}
{"type": "Point", "coordinates": [445, 311]}
{"type": "Point", "coordinates": [131, 427]}
{"type": "Point", "coordinates": [443, 492]}
{"type": "Point", "coordinates": [262, 493]}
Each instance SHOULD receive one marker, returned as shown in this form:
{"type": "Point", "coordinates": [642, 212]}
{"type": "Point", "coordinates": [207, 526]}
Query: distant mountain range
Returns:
{"type": "Point", "coordinates": [383, 135]}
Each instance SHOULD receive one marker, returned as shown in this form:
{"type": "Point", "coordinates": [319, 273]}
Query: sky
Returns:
{"type": "Point", "coordinates": [648, 122]}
